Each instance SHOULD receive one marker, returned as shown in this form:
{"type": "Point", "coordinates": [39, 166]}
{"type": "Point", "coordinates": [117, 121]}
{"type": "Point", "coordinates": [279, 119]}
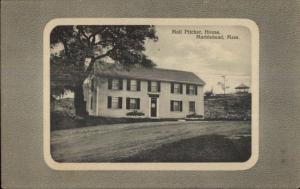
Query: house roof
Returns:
{"type": "Point", "coordinates": [154, 74]}
{"type": "Point", "coordinates": [242, 86]}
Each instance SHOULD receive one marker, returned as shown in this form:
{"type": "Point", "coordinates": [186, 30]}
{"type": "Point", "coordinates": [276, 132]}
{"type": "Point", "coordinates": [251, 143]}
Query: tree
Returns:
{"type": "Point", "coordinates": [75, 50]}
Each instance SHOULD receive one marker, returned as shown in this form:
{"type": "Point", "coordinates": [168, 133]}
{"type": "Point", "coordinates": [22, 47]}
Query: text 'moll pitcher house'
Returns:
{"type": "Point", "coordinates": [147, 92]}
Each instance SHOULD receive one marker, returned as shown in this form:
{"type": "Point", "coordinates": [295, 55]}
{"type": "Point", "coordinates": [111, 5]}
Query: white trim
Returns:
{"type": "Point", "coordinates": [97, 100]}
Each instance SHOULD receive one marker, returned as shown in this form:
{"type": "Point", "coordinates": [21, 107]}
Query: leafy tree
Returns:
{"type": "Point", "coordinates": [75, 50]}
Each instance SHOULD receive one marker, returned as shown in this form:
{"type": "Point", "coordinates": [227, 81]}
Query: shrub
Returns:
{"type": "Point", "coordinates": [194, 115]}
{"type": "Point", "coordinates": [135, 113]}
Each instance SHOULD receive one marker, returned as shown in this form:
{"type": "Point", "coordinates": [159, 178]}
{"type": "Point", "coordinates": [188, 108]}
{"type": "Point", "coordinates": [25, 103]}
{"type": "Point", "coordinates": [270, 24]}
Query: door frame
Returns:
{"type": "Point", "coordinates": [157, 107]}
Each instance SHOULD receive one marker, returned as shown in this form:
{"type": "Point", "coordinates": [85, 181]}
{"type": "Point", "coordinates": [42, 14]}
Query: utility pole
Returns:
{"type": "Point", "coordinates": [224, 78]}
{"type": "Point", "coordinates": [223, 84]}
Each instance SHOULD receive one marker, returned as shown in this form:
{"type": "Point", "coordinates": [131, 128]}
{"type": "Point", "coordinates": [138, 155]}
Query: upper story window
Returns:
{"type": "Point", "coordinates": [133, 85]}
{"type": "Point", "coordinates": [153, 86]}
{"type": "Point", "coordinates": [191, 89]}
{"type": "Point", "coordinates": [176, 88]}
{"type": "Point", "coordinates": [133, 103]}
{"type": "Point", "coordinates": [176, 106]}
{"type": "Point", "coordinates": [115, 84]}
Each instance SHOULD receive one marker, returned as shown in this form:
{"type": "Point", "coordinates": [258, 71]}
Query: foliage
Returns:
{"type": "Point", "coordinates": [194, 115]}
{"type": "Point", "coordinates": [135, 113]}
{"type": "Point", "coordinates": [208, 94]}
{"type": "Point", "coordinates": [81, 46]}
{"type": "Point", "coordinates": [76, 49]}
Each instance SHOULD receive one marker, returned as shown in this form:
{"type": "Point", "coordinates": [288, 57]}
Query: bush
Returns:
{"type": "Point", "coordinates": [194, 115]}
{"type": "Point", "coordinates": [135, 113]}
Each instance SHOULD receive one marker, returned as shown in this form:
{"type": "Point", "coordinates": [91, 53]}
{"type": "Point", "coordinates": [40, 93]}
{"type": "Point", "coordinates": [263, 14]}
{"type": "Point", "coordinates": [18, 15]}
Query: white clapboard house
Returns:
{"type": "Point", "coordinates": [146, 92]}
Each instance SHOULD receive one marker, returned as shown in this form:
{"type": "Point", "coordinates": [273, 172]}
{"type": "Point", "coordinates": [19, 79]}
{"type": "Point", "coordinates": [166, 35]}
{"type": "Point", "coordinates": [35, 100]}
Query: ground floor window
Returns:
{"type": "Point", "coordinates": [114, 102]}
{"type": "Point", "coordinates": [133, 103]}
{"type": "Point", "coordinates": [176, 106]}
{"type": "Point", "coordinates": [192, 106]}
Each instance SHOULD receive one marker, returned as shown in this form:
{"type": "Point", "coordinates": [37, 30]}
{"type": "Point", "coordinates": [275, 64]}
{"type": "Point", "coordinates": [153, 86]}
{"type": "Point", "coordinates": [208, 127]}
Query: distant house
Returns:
{"type": "Point", "coordinates": [242, 89]}
{"type": "Point", "coordinates": [156, 93]}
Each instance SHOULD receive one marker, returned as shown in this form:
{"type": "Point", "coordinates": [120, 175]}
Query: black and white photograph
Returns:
{"type": "Point", "coordinates": [151, 93]}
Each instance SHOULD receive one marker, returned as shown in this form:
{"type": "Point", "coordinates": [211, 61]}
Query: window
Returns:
{"type": "Point", "coordinates": [133, 85]}
{"type": "Point", "coordinates": [192, 106]}
{"type": "Point", "coordinates": [176, 106]}
{"type": "Point", "coordinates": [133, 103]}
{"type": "Point", "coordinates": [176, 88]}
{"type": "Point", "coordinates": [191, 89]}
{"type": "Point", "coordinates": [91, 105]}
{"type": "Point", "coordinates": [153, 86]}
{"type": "Point", "coordinates": [115, 84]}
{"type": "Point", "coordinates": [114, 102]}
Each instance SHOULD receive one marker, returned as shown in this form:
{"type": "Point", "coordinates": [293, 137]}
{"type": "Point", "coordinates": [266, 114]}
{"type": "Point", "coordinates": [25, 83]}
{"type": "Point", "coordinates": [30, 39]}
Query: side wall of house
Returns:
{"type": "Point", "coordinates": [100, 97]}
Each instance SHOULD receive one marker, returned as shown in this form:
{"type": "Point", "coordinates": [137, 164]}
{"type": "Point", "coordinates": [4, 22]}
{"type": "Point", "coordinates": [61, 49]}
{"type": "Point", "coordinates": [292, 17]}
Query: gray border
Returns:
{"type": "Point", "coordinates": [22, 24]}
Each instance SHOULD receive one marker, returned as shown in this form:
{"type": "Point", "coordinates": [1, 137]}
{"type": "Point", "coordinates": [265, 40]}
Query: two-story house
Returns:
{"type": "Point", "coordinates": [157, 93]}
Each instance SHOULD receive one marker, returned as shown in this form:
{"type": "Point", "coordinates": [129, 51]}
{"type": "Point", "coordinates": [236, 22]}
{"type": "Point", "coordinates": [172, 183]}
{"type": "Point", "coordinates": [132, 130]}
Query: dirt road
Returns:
{"type": "Point", "coordinates": [108, 142]}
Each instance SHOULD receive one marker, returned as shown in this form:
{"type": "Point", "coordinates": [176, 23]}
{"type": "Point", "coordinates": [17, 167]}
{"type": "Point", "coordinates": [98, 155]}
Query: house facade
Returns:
{"type": "Point", "coordinates": [154, 93]}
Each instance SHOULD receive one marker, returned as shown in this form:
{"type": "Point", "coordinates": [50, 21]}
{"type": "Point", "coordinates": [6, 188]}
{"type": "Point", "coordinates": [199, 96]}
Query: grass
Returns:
{"type": "Point", "coordinates": [208, 148]}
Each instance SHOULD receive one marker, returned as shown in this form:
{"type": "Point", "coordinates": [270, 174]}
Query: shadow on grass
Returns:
{"type": "Point", "coordinates": [209, 148]}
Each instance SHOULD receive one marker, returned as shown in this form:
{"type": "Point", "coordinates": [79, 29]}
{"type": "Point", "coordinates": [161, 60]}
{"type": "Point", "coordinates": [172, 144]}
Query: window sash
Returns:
{"type": "Point", "coordinates": [115, 84]}
{"type": "Point", "coordinates": [176, 106]}
{"type": "Point", "coordinates": [133, 85]}
{"type": "Point", "coordinates": [192, 89]}
{"type": "Point", "coordinates": [176, 88]}
{"type": "Point", "coordinates": [154, 86]}
{"type": "Point", "coordinates": [115, 102]}
{"type": "Point", "coordinates": [133, 103]}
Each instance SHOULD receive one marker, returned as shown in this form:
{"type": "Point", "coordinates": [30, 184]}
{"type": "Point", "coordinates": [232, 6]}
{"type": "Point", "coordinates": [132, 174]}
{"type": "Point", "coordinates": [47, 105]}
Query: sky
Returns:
{"type": "Point", "coordinates": [210, 59]}
{"type": "Point", "coordinates": [207, 58]}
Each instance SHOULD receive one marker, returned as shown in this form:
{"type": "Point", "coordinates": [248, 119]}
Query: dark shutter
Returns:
{"type": "Point", "coordinates": [138, 103]}
{"type": "Point", "coordinates": [120, 102]}
{"type": "Point", "coordinates": [109, 102]}
{"type": "Point", "coordinates": [181, 88]}
{"type": "Point", "coordinates": [172, 87]}
{"type": "Point", "coordinates": [158, 86]}
{"type": "Point", "coordinates": [109, 83]}
{"type": "Point", "coordinates": [149, 86]}
{"type": "Point", "coordinates": [120, 84]}
{"type": "Point", "coordinates": [196, 89]}
{"type": "Point", "coordinates": [187, 89]}
{"type": "Point", "coordinates": [127, 103]}
{"type": "Point", "coordinates": [138, 85]}
{"type": "Point", "coordinates": [180, 105]}
{"type": "Point", "coordinates": [128, 84]}
{"type": "Point", "coordinates": [171, 106]}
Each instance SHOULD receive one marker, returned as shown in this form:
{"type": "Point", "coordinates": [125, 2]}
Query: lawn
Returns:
{"type": "Point", "coordinates": [208, 148]}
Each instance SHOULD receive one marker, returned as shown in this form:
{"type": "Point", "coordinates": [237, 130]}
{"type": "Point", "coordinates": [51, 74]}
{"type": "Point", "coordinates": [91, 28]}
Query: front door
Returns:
{"type": "Point", "coordinates": [153, 107]}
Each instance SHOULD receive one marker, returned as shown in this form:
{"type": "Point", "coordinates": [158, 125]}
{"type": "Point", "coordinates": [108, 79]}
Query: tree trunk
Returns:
{"type": "Point", "coordinates": [79, 103]}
